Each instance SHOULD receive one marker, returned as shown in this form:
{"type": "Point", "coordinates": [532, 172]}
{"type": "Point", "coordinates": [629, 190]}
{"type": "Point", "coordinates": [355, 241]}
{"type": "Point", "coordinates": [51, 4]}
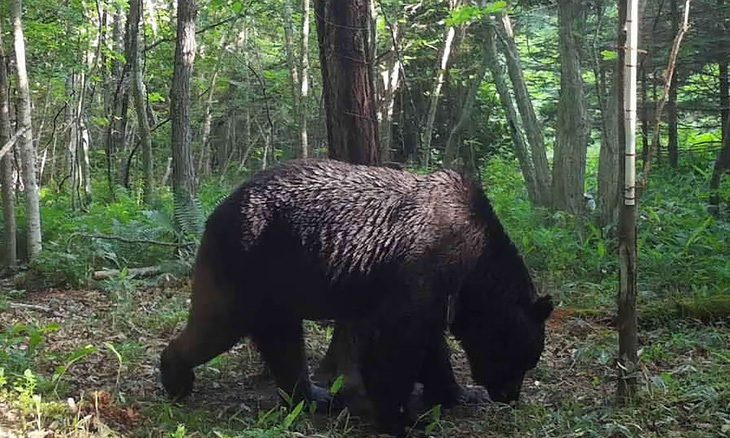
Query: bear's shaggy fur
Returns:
{"type": "Point", "coordinates": [381, 249]}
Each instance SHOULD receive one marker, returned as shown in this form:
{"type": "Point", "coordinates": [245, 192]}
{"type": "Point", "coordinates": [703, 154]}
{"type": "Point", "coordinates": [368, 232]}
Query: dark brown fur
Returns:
{"type": "Point", "coordinates": [378, 248]}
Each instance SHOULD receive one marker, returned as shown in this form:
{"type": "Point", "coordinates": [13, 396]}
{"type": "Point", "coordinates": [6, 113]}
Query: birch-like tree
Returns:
{"type": "Point", "coordinates": [6, 165]}
{"type": "Point", "coordinates": [25, 140]}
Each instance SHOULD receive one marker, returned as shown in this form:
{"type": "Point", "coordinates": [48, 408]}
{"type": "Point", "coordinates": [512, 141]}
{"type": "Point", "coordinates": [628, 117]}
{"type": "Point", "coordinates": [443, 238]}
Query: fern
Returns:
{"type": "Point", "coordinates": [189, 217]}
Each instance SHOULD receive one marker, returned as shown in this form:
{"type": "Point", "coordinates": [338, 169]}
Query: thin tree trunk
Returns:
{"type": "Point", "coordinates": [571, 143]}
{"type": "Point", "coordinates": [451, 151]}
{"type": "Point", "coordinates": [608, 160]}
{"type": "Point", "coordinates": [25, 143]}
{"type": "Point", "coordinates": [722, 163]}
{"type": "Point", "coordinates": [294, 83]}
{"type": "Point", "coordinates": [134, 20]}
{"type": "Point", "coordinates": [672, 122]}
{"type": "Point", "coordinates": [531, 125]}
{"type": "Point", "coordinates": [183, 173]}
{"type": "Point", "coordinates": [388, 86]}
{"type": "Point", "coordinates": [352, 128]}
{"type": "Point", "coordinates": [627, 324]}
{"type": "Point", "coordinates": [6, 167]}
{"type": "Point", "coordinates": [441, 67]}
{"type": "Point", "coordinates": [204, 162]}
{"type": "Point", "coordinates": [518, 139]}
{"type": "Point", "coordinates": [668, 78]}
{"type": "Point", "coordinates": [304, 82]}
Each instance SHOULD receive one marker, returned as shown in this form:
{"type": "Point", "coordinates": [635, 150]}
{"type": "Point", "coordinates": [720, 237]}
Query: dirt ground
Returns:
{"type": "Point", "coordinates": [112, 387]}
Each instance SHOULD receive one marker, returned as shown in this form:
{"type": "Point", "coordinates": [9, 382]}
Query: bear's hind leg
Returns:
{"type": "Point", "coordinates": [281, 343]}
{"type": "Point", "coordinates": [390, 355]}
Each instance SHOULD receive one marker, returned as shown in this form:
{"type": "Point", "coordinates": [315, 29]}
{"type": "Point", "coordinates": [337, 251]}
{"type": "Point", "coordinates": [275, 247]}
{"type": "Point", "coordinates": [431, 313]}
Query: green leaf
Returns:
{"type": "Point", "coordinates": [609, 55]}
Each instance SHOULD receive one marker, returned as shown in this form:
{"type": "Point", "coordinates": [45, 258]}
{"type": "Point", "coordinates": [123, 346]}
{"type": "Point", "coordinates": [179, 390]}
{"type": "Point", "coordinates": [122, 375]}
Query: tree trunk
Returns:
{"type": "Point", "coordinates": [204, 162]}
{"type": "Point", "coordinates": [352, 129]}
{"type": "Point", "coordinates": [134, 20]}
{"type": "Point", "coordinates": [527, 112]}
{"type": "Point", "coordinates": [304, 82]}
{"type": "Point", "coordinates": [451, 151]}
{"type": "Point", "coordinates": [672, 122]}
{"type": "Point", "coordinates": [518, 139]}
{"type": "Point", "coordinates": [6, 167]}
{"type": "Point", "coordinates": [627, 324]}
{"type": "Point", "coordinates": [443, 62]}
{"type": "Point", "coordinates": [183, 173]}
{"type": "Point", "coordinates": [573, 127]}
{"type": "Point", "coordinates": [25, 142]}
{"type": "Point", "coordinates": [388, 86]}
{"type": "Point", "coordinates": [609, 191]}
{"type": "Point", "coordinates": [722, 163]}
{"type": "Point", "coordinates": [294, 83]}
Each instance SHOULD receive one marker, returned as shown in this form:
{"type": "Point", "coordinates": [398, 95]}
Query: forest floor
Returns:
{"type": "Point", "coordinates": [93, 360]}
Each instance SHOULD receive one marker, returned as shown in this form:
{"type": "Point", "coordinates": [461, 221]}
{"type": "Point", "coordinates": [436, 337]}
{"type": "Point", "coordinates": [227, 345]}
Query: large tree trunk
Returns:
{"type": "Point", "coordinates": [722, 163]}
{"type": "Point", "coordinates": [25, 142]}
{"type": "Point", "coordinates": [134, 20]}
{"type": "Point", "coordinates": [527, 112]}
{"type": "Point", "coordinates": [183, 173]}
{"type": "Point", "coordinates": [304, 82]}
{"type": "Point", "coordinates": [573, 127]}
{"type": "Point", "coordinates": [6, 167]}
{"type": "Point", "coordinates": [443, 63]}
{"type": "Point", "coordinates": [518, 139]}
{"type": "Point", "coordinates": [672, 115]}
{"type": "Point", "coordinates": [352, 129]}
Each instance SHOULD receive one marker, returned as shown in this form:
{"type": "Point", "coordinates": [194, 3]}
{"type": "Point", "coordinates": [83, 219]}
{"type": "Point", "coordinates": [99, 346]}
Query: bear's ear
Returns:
{"type": "Point", "coordinates": [542, 308]}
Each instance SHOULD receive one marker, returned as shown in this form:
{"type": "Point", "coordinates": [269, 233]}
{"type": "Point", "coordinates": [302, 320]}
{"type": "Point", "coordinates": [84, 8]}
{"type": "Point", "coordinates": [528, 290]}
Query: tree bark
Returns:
{"type": "Point", "coordinates": [518, 139]}
{"type": "Point", "coordinates": [6, 167]}
{"type": "Point", "coordinates": [352, 129]}
{"type": "Point", "coordinates": [531, 125]}
{"type": "Point", "coordinates": [573, 127]}
{"type": "Point", "coordinates": [304, 82]}
{"type": "Point", "coordinates": [134, 20]}
{"type": "Point", "coordinates": [441, 67]}
{"type": "Point", "coordinates": [25, 142]}
{"type": "Point", "coordinates": [183, 173]}
{"type": "Point", "coordinates": [672, 115]}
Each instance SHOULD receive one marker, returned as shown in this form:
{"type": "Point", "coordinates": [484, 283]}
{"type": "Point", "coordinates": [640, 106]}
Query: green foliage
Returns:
{"type": "Point", "coordinates": [682, 250]}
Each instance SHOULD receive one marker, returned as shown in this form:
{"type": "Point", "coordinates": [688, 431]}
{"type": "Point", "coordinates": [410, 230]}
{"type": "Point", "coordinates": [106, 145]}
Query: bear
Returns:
{"type": "Point", "coordinates": [399, 257]}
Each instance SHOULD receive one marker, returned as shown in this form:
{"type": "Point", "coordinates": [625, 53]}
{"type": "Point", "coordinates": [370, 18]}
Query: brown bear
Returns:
{"type": "Point", "coordinates": [397, 256]}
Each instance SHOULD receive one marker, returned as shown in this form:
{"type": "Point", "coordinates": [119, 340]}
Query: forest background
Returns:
{"type": "Point", "coordinates": [110, 166]}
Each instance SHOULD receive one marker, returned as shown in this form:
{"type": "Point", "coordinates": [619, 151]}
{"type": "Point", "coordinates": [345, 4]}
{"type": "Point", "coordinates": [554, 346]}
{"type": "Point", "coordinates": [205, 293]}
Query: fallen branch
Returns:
{"type": "Point", "coordinates": [131, 272]}
{"type": "Point", "coordinates": [125, 239]}
{"type": "Point", "coordinates": [29, 307]}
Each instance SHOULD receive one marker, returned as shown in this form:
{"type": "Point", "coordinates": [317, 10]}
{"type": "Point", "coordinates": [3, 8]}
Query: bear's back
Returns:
{"type": "Point", "coordinates": [356, 218]}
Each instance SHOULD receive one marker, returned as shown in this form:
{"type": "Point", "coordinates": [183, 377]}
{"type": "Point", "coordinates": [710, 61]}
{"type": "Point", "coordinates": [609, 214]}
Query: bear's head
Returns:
{"type": "Point", "coordinates": [500, 322]}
